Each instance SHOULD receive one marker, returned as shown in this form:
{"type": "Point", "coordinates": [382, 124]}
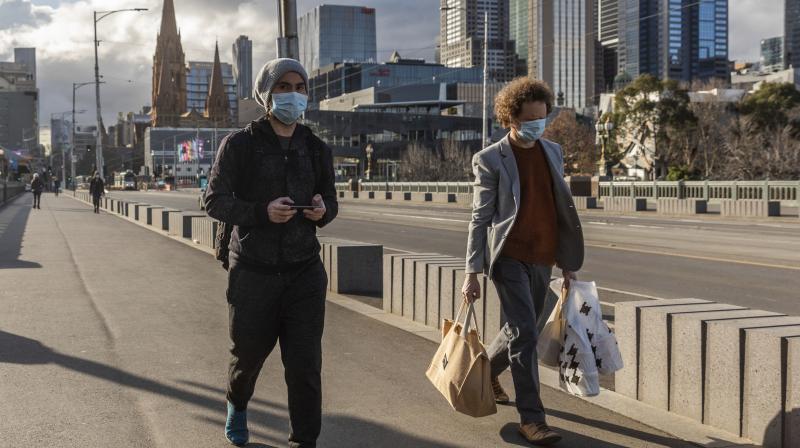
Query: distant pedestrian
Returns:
{"type": "Point", "coordinates": [37, 186]}
{"type": "Point", "coordinates": [263, 175]}
{"type": "Point", "coordinates": [523, 223]}
{"type": "Point", "coordinates": [96, 189]}
{"type": "Point", "coordinates": [56, 185]}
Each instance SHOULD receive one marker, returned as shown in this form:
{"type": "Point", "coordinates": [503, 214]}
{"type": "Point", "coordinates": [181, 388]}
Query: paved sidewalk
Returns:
{"type": "Point", "coordinates": [114, 336]}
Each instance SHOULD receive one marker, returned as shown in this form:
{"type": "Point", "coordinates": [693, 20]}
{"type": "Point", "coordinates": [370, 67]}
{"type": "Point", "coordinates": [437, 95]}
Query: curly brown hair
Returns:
{"type": "Point", "coordinates": [508, 103]}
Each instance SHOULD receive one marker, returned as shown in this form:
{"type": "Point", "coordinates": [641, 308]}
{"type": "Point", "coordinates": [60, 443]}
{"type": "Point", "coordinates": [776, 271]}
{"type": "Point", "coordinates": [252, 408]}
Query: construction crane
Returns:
{"type": "Point", "coordinates": [288, 46]}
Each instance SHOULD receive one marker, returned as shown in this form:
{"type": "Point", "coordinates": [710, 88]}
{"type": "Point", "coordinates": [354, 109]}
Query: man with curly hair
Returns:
{"type": "Point", "coordinates": [523, 223]}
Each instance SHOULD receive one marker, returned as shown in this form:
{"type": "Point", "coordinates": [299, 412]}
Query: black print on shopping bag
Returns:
{"type": "Point", "coordinates": [444, 362]}
{"type": "Point", "coordinates": [585, 308]}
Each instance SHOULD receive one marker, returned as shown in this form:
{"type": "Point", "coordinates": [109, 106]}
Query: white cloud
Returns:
{"type": "Point", "coordinates": [749, 22]}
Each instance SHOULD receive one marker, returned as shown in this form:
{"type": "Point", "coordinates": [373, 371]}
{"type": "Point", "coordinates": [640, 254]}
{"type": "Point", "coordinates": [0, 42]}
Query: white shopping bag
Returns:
{"type": "Point", "coordinates": [589, 346]}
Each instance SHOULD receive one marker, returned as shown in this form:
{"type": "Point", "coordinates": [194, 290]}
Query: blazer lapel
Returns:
{"type": "Point", "coordinates": [510, 165]}
{"type": "Point", "coordinates": [555, 173]}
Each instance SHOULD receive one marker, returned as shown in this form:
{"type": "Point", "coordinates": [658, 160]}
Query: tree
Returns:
{"type": "Point", "coordinates": [449, 162]}
{"type": "Point", "coordinates": [649, 109]}
{"type": "Point", "coordinates": [576, 140]}
{"type": "Point", "coordinates": [769, 107]}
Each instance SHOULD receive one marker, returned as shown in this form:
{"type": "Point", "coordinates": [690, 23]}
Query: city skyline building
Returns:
{"type": "Point", "coordinates": [771, 59]}
{"type": "Point", "coordinates": [684, 40]}
{"type": "Point", "coordinates": [608, 37]}
{"type": "Point", "coordinates": [519, 30]}
{"type": "Point", "coordinates": [198, 86]}
{"type": "Point", "coordinates": [462, 36]}
{"type": "Point", "coordinates": [19, 102]}
{"type": "Point", "coordinates": [791, 34]}
{"type": "Point", "coordinates": [243, 66]}
{"type": "Point", "coordinates": [338, 79]}
{"type": "Point", "coordinates": [336, 33]}
{"type": "Point", "coordinates": [561, 49]}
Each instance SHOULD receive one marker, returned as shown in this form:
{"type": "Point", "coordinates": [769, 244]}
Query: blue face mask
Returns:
{"type": "Point", "coordinates": [287, 107]}
{"type": "Point", "coordinates": [532, 130]}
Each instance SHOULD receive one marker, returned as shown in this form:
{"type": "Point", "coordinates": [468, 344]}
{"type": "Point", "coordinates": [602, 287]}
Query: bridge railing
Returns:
{"type": "Point", "coordinates": [10, 189]}
{"type": "Point", "coordinates": [785, 191]}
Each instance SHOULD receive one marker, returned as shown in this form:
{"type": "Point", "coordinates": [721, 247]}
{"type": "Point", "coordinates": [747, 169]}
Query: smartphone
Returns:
{"type": "Point", "coordinates": [303, 207]}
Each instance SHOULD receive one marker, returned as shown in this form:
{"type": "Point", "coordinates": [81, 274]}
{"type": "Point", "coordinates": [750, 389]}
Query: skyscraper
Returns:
{"type": "Point", "coordinates": [772, 54]}
{"type": "Point", "coordinates": [199, 83]}
{"type": "Point", "coordinates": [683, 40]}
{"type": "Point", "coordinates": [243, 66]}
{"type": "Point", "coordinates": [462, 36]}
{"type": "Point", "coordinates": [608, 36]}
{"type": "Point", "coordinates": [561, 49]}
{"type": "Point", "coordinates": [519, 23]}
{"type": "Point", "coordinates": [27, 57]}
{"type": "Point", "coordinates": [333, 33]}
{"type": "Point", "coordinates": [791, 30]}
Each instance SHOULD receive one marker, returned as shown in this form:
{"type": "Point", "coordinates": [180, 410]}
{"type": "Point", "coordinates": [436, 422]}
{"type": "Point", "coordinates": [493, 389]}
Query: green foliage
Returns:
{"type": "Point", "coordinates": [681, 173]}
{"type": "Point", "coordinates": [769, 107]}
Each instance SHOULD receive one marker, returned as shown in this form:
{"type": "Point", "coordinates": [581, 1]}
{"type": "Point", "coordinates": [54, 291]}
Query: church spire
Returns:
{"type": "Point", "coordinates": [169, 26]}
{"type": "Point", "coordinates": [217, 107]}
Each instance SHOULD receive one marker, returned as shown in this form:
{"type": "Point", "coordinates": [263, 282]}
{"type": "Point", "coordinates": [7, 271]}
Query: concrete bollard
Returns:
{"type": "Point", "coordinates": [180, 223]}
{"type": "Point", "coordinates": [140, 212]}
{"type": "Point", "coordinates": [687, 370]}
{"type": "Point", "coordinates": [494, 319]}
{"type": "Point", "coordinates": [626, 328]}
{"type": "Point", "coordinates": [452, 277]}
{"type": "Point", "coordinates": [722, 404]}
{"type": "Point", "coordinates": [585, 202]}
{"type": "Point", "coordinates": [152, 211]}
{"type": "Point", "coordinates": [765, 362]}
{"type": "Point", "coordinates": [409, 273]}
{"type": "Point", "coordinates": [655, 348]}
{"type": "Point", "coordinates": [791, 409]}
{"type": "Point", "coordinates": [671, 206]}
{"type": "Point", "coordinates": [204, 231]}
{"type": "Point", "coordinates": [624, 204]}
{"type": "Point", "coordinates": [393, 282]}
{"type": "Point", "coordinates": [436, 276]}
{"type": "Point", "coordinates": [427, 297]}
{"type": "Point", "coordinates": [162, 218]}
{"type": "Point", "coordinates": [750, 208]}
{"type": "Point", "coordinates": [355, 268]}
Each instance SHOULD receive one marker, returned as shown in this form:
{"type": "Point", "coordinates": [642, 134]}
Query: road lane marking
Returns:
{"type": "Point", "coordinates": [644, 227]}
{"type": "Point", "coordinates": [697, 257]}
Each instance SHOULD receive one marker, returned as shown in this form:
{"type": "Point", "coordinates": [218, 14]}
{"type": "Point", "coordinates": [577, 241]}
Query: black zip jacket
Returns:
{"type": "Point", "coordinates": [250, 171]}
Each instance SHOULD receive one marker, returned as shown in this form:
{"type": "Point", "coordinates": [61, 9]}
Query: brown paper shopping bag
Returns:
{"type": "Point", "coordinates": [460, 368]}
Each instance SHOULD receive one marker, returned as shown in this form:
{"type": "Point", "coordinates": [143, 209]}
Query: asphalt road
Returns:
{"type": "Point", "coordinates": [113, 335]}
{"type": "Point", "coordinates": [752, 264]}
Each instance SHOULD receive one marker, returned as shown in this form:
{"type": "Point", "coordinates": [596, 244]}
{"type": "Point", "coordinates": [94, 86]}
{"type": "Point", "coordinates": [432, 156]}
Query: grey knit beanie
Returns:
{"type": "Point", "coordinates": [271, 72]}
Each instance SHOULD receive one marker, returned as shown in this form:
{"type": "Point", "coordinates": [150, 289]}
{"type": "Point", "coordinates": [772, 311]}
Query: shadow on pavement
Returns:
{"type": "Point", "coordinates": [14, 217]}
{"type": "Point", "coordinates": [339, 430]}
{"type": "Point", "coordinates": [616, 429]}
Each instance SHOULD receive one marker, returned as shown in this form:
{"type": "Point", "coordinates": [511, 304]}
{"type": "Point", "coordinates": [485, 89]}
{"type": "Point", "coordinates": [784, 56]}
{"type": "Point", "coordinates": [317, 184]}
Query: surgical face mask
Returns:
{"type": "Point", "coordinates": [287, 107]}
{"type": "Point", "coordinates": [532, 130]}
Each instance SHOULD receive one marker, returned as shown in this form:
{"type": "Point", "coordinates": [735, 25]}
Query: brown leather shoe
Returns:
{"type": "Point", "coordinates": [539, 434]}
{"type": "Point", "coordinates": [500, 395]}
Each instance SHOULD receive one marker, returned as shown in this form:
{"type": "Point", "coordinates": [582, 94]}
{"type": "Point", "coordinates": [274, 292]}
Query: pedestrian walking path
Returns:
{"type": "Point", "coordinates": [114, 336]}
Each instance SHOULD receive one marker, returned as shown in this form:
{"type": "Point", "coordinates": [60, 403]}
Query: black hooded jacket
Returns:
{"type": "Point", "coordinates": [250, 171]}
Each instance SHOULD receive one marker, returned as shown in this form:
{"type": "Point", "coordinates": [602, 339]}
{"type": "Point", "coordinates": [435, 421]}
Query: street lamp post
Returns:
{"type": "Point", "coordinates": [603, 133]}
{"type": "Point", "coordinates": [369, 150]}
{"type": "Point", "coordinates": [75, 87]}
{"type": "Point", "coordinates": [99, 152]}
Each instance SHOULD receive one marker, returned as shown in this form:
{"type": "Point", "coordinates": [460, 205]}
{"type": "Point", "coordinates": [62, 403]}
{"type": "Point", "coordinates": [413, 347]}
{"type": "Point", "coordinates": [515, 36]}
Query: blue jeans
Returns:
{"type": "Point", "coordinates": [522, 288]}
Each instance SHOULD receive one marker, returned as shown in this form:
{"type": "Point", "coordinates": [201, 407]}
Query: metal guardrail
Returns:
{"type": "Point", "coordinates": [785, 191]}
{"type": "Point", "coordinates": [10, 189]}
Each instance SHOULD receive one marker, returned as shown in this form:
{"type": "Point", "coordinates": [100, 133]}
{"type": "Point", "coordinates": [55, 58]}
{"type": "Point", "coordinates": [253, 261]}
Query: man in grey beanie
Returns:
{"type": "Point", "coordinates": [273, 181]}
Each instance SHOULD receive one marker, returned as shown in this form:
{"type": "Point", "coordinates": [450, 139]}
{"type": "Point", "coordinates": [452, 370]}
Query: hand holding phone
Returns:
{"type": "Point", "coordinates": [280, 210]}
{"type": "Point", "coordinates": [317, 210]}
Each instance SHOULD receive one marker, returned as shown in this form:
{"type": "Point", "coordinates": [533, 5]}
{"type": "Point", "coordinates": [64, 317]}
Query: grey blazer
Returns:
{"type": "Point", "coordinates": [496, 202]}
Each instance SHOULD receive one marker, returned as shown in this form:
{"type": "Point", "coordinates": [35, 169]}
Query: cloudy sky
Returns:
{"type": "Point", "coordinates": [61, 31]}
